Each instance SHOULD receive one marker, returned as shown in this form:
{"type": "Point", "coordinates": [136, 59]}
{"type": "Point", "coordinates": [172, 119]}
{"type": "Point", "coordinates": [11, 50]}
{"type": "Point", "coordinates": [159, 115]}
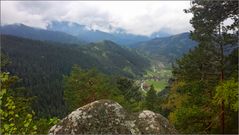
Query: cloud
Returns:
{"type": "Point", "coordinates": [135, 17]}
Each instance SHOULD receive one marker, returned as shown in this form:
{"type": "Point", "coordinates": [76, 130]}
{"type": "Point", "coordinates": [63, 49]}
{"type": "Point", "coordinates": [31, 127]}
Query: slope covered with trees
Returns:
{"type": "Point", "coordinates": [41, 65]}
{"type": "Point", "coordinates": [204, 96]}
{"type": "Point", "coordinates": [166, 49]}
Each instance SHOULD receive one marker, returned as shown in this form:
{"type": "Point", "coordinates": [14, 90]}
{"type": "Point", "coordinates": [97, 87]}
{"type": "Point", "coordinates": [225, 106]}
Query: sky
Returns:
{"type": "Point", "coordinates": [137, 17]}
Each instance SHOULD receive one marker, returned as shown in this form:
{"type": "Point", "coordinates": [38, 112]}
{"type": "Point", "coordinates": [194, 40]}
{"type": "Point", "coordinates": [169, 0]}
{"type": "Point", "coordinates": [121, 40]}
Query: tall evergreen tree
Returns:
{"type": "Point", "coordinates": [209, 23]}
{"type": "Point", "coordinates": [151, 99]}
{"type": "Point", "coordinates": [199, 72]}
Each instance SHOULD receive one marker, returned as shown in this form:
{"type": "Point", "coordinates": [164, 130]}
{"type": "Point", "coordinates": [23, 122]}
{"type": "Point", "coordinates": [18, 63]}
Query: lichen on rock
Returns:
{"type": "Point", "coordinates": [109, 117]}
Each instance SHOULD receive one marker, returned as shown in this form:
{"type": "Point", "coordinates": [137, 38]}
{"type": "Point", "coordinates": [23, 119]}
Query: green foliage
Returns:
{"type": "Point", "coordinates": [133, 97]}
{"type": "Point", "coordinates": [159, 85]}
{"type": "Point", "coordinates": [44, 124]}
{"type": "Point", "coordinates": [82, 87]}
{"type": "Point", "coordinates": [53, 121]}
{"type": "Point", "coordinates": [166, 49]}
{"type": "Point", "coordinates": [128, 88]}
{"type": "Point", "coordinates": [42, 68]}
{"type": "Point", "coordinates": [4, 60]}
{"type": "Point", "coordinates": [151, 99]}
{"type": "Point", "coordinates": [189, 119]}
{"type": "Point", "coordinates": [227, 92]}
{"type": "Point", "coordinates": [202, 70]}
{"type": "Point", "coordinates": [85, 86]}
{"type": "Point", "coordinates": [14, 120]}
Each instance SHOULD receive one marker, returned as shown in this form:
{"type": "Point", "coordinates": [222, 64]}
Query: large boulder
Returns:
{"type": "Point", "coordinates": [108, 117]}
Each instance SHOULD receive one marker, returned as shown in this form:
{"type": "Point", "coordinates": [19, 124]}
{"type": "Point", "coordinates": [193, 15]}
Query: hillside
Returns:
{"type": "Point", "coordinates": [109, 53]}
{"type": "Point", "coordinates": [24, 31]}
{"type": "Point", "coordinates": [166, 49]}
{"type": "Point", "coordinates": [42, 65]}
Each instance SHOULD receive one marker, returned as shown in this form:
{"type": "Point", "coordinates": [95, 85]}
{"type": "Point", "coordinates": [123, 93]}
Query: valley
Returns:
{"type": "Point", "coordinates": [29, 52]}
{"type": "Point", "coordinates": [119, 67]}
{"type": "Point", "coordinates": [155, 56]}
{"type": "Point", "coordinates": [158, 77]}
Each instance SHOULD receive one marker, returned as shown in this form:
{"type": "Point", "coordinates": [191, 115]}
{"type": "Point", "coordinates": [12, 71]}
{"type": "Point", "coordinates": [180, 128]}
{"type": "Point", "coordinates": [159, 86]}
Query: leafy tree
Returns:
{"type": "Point", "coordinates": [82, 87]}
{"type": "Point", "coordinates": [16, 113]}
{"type": "Point", "coordinates": [14, 120]}
{"type": "Point", "coordinates": [227, 91]}
{"type": "Point", "coordinates": [44, 124]}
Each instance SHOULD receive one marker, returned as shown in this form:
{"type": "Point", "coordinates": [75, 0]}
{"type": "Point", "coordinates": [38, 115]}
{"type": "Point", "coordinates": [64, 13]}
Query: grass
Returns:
{"type": "Point", "coordinates": [163, 73]}
{"type": "Point", "coordinates": [158, 85]}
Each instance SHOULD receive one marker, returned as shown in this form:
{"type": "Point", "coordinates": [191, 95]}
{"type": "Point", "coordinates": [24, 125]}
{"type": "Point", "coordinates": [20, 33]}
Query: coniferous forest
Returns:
{"type": "Point", "coordinates": [189, 78]}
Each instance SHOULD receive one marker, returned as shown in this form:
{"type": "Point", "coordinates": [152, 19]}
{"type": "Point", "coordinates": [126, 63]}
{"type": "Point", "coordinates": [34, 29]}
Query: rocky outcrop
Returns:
{"type": "Point", "coordinates": [108, 117]}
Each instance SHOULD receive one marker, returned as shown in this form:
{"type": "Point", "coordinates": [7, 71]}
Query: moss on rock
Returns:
{"type": "Point", "coordinates": [108, 117]}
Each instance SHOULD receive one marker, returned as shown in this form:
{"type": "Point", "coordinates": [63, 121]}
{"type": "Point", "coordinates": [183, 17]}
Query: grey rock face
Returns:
{"type": "Point", "coordinates": [108, 117]}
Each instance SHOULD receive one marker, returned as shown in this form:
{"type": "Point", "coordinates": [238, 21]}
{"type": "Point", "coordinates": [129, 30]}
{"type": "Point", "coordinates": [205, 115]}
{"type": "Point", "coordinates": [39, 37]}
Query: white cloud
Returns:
{"type": "Point", "coordinates": [139, 17]}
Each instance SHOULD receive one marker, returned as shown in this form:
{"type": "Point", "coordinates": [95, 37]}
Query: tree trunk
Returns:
{"type": "Point", "coordinates": [222, 79]}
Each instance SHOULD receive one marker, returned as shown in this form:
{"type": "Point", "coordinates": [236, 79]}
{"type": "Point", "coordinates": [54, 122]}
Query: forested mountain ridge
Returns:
{"type": "Point", "coordinates": [42, 65]}
{"type": "Point", "coordinates": [109, 53]}
{"type": "Point", "coordinates": [24, 31]}
{"type": "Point", "coordinates": [166, 49]}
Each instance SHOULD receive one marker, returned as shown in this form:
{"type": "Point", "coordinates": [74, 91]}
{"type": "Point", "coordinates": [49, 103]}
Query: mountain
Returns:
{"type": "Point", "coordinates": [22, 30]}
{"type": "Point", "coordinates": [42, 64]}
{"type": "Point", "coordinates": [166, 49]}
{"type": "Point", "coordinates": [109, 53]}
{"type": "Point", "coordinates": [159, 34]}
{"type": "Point", "coordinates": [119, 36]}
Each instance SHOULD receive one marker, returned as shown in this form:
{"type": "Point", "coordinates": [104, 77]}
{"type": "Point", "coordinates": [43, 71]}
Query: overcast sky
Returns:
{"type": "Point", "coordinates": [135, 17]}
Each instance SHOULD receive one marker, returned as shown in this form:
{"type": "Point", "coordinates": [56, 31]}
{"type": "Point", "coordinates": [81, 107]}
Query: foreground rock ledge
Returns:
{"type": "Point", "coordinates": [109, 117]}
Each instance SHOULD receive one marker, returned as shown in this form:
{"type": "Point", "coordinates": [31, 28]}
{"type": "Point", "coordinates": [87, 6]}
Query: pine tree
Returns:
{"type": "Point", "coordinates": [202, 70]}
{"type": "Point", "coordinates": [151, 99]}
{"type": "Point", "coordinates": [208, 21]}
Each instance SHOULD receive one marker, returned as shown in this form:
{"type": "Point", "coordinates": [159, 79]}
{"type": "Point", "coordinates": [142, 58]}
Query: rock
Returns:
{"type": "Point", "coordinates": [108, 117]}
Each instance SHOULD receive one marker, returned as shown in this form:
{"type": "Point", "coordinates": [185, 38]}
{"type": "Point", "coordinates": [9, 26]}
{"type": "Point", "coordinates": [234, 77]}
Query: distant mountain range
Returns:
{"type": "Point", "coordinates": [24, 31]}
{"type": "Point", "coordinates": [68, 32]}
{"type": "Point", "coordinates": [84, 33]}
{"type": "Point", "coordinates": [159, 34]}
{"type": "Point", "coordinates": [160, 45]}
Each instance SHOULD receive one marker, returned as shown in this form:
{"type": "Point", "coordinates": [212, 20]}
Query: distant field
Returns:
{"type": "Point", "coordinates": [165, 73]}
{"type": "Point", "coordinates": [158, 85]}
{"type": "Point", "coordinates": [162, 74]}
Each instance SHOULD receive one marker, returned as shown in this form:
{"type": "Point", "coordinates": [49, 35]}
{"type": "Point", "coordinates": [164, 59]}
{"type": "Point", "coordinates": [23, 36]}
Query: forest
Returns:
{"type": "Point", "coordinates": [43, 81]}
